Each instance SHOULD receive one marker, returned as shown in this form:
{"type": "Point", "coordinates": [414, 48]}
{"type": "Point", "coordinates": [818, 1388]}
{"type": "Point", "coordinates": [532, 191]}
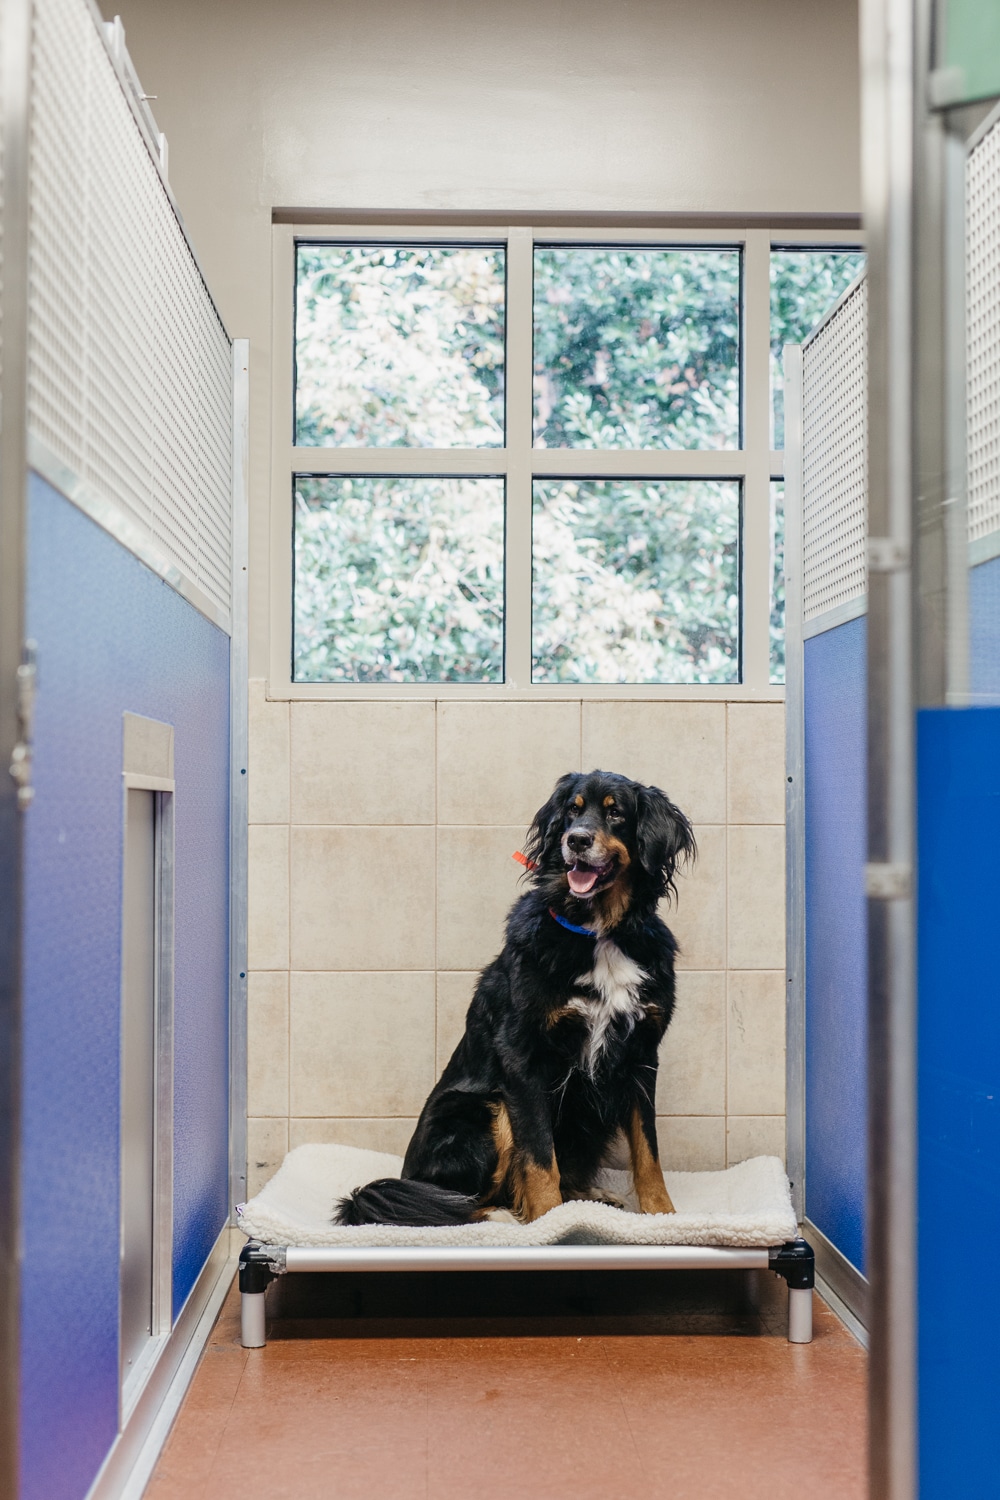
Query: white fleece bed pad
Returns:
{"type": "Point", "coordinates": [746, 1205]}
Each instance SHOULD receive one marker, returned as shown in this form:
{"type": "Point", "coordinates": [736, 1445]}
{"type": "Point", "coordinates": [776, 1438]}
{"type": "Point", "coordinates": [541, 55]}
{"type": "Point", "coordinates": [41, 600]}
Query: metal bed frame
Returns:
{"type": "Point", "coordinates": [261, 1264]}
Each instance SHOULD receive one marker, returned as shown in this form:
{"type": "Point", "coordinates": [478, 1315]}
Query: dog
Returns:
{"type": "Point", "coordinates": [558, 1061]}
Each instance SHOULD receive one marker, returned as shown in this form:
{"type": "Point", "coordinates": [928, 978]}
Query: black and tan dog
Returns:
{"type": "Point", "coordinates": [559, 1056]}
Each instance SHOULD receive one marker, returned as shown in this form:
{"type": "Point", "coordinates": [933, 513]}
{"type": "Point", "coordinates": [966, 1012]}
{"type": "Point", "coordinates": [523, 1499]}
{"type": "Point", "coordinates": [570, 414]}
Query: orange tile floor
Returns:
{"type": "Point", "coordinates": [498, 1388]}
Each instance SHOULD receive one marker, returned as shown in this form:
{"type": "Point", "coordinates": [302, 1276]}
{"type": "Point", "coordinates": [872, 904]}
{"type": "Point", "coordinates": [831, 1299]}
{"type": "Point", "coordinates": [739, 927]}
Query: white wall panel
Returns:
{"type": "Point", "coordinates": [983, 334]}
{"type": "Point", "coordinates": [129, 382]}
{"type": "Point", "coordinates": [835, 456]}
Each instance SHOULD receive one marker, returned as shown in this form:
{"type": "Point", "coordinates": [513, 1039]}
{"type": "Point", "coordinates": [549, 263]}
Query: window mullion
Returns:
{"type": "Point", "coordinates": [757, 446]}
{"type": "Point", "coordinates": [517, 649]}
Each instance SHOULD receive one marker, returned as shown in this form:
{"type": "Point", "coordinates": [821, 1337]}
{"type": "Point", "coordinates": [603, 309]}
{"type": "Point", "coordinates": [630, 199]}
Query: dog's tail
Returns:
{"type": "Point", "coordinates": [395, 1200]}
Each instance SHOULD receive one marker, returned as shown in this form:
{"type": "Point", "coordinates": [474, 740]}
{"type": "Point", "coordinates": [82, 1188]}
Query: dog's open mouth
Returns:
{"type": "Point", "coordinates": [584, 879]}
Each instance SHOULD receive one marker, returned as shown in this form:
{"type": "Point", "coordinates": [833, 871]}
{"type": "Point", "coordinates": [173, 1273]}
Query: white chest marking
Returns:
{"type": "Point", "coordinates": [614, 982]}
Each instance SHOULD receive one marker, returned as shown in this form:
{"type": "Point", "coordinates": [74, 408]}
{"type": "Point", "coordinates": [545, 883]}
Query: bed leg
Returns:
{"type": "Point", "coordinates": [253, 1320]}
{"type": "Point", "coordinates": [800, 1315]}
{"type": "Point", "coordinates": [255, 1277]}
{"type": "Point", "coordinates": [795, 1262]}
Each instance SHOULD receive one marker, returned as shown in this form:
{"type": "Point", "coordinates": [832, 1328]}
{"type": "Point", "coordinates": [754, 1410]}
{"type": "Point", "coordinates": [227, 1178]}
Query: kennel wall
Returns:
{"type": "Point", "coordinates": [826, 787]}
{"type": "Point", "coordinates": [827, 687]}
{"type": "Point", "coordinates": [957, 892]}
{"type": "Point", "coordinates": [130, 615]}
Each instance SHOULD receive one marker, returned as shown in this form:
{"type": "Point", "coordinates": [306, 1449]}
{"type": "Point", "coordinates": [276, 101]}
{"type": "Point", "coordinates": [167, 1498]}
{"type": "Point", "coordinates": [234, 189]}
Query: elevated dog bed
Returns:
{"type": "Point", "coordinates": [739, 1219]}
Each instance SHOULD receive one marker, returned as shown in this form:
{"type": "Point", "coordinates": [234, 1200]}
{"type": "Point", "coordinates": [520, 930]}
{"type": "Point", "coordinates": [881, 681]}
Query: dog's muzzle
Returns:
{"type": "Point", "coordinates": [587, 867]}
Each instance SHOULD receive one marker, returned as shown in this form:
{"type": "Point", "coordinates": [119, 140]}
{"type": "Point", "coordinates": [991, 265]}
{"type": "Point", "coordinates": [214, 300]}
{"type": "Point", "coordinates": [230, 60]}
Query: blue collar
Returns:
{"type": "Point", "coordinates": [570, 927]}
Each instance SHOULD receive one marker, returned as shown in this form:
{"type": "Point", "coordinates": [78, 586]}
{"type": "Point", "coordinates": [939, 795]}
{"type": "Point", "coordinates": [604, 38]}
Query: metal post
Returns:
{"type": "Point", "coordinates": [795, 806]}
{"type": "Point", "coordinates": [888, 176]}
{"type": "Point", "coordinates": [15, 691]}
{"type": "Point", "coordinates": [239, 777]}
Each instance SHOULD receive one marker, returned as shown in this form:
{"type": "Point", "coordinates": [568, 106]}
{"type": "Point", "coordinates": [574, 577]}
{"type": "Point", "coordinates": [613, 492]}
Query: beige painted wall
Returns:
{"type": "Point", "coordinates": [371, 912]}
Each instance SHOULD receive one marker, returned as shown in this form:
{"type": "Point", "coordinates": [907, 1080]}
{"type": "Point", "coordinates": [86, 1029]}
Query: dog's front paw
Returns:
{"type": "Point", "coordinates": [657, 1204]}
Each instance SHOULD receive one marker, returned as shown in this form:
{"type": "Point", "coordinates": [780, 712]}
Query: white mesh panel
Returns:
{"type": "Point", "coordinates": [835, 457]}
{"type": "Point", "coordinates": [129, 377]}
{"type": "Point", "coordinates": [982, 249]}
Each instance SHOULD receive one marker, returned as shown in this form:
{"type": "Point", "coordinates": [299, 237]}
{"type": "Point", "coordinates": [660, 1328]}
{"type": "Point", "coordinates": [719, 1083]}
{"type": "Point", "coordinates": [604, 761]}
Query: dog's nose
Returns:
{"type": "Point", "coordinates": [579, 842]}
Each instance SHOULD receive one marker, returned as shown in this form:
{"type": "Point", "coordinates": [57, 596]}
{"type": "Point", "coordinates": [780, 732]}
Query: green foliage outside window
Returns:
{"type": "Point", "coordinates": [636, 348]}
{"type": "Point", "coordinates": [399, 347]}
{"type": "Point", "coordinates": [398, 580]}
{"type": "Point", "coordinates": [636, 581]}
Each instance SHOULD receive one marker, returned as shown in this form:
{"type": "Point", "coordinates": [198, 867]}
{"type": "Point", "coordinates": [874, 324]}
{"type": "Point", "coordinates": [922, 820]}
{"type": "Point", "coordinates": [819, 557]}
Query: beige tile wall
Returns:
{"type": "Point", "coordinates": [380, 874]}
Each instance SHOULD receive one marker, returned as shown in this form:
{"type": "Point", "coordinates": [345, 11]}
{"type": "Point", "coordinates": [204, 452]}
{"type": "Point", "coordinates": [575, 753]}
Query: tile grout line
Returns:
{"type": "Point", "coordinates": [726, 921]}
{"type": "Point", "coordinates": [437, 816]}
{"type": "Point", "coordinates": [288, 976]}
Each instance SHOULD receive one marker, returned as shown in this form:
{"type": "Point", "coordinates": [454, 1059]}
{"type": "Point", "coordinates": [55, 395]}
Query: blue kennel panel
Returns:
{"type": "Point", "coordinates": [111, 636]}
{"type": "Point", "coordinates": [835, 679]}
{"type": "Point", "coordinates": [958, 1112]}
{"type": "Point", "coordinates": [984, 631]}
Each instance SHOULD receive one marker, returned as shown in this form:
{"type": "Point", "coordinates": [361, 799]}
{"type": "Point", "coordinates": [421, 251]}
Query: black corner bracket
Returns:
{"type": "Point", "coordinates": [795, 1261]}
{"type": "Point", "coordinates": [255, 1271]}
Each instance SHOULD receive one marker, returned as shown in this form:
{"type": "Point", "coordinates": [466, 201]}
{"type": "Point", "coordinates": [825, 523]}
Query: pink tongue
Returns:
{"type": "Point", "coordinates": [581, 881]}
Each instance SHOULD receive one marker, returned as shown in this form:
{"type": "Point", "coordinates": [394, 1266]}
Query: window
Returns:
{"type": "Point", "coordinates": [635, 580]}
{"type": "Point", "coordinates": [521, 461]}
{"type": "Point", "coordinates": [805, 284]}
{"type": "Point", "coordinates": [636, 347]}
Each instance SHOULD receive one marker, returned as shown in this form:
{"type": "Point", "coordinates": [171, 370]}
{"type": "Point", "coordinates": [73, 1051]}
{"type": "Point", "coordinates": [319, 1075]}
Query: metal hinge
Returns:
{"type": "Point", "coordinates": [888, 882]}
{"type": "Point", "coordinates": [886, 555]}
{"type": "Point", "coordinates": [20, 761]}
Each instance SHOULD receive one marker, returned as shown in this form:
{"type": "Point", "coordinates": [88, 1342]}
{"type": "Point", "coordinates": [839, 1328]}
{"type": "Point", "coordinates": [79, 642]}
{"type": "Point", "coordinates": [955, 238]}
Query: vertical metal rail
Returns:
{"type": "Point", "coordinates": [888, 104]}
{"type": "Point", "coordinates": [940, 541]}
{"type": "Point", "coordinates": [15, 689]}
{"type": "Point", "coordinates": [795, 806]}
{"type": "Point", "coordinates": [239, 776]}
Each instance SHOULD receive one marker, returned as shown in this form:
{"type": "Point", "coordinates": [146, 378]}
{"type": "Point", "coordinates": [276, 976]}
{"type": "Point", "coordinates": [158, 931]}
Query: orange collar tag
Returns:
{"type": "Point", "coordinates": [522, 859]}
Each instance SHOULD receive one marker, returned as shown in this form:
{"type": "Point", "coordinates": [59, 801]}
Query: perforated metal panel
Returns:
{"type": "Point", "coordinates": [835, 456]}
{"type": "Point", "coordinates": [129, 380]}
{"type": "Point", "coordinates": [982, 250]}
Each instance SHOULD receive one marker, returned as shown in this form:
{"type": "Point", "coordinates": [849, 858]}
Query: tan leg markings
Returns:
{"type": "Point", "coordinates": [535, 1189]}
{"type": "Point", "coordinates": [503, 1139]}
{"type": "Point", "coordinates": [649, 1185]}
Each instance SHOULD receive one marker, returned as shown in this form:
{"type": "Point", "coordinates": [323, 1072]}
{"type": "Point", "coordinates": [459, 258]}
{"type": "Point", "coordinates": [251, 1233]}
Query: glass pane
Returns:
{"type": "Point", "coordinates": [399, 346]}
{"type": "Point", "coordinates": [398, 580]}
{"type": "Point", "coordinates": [777, 580]}
{"type": "Point", "coordinates": [637, 348]}
{"type": "Point", "coordinates": [636, 581]}
{"type": "Point", "coordinates": [804, 285]}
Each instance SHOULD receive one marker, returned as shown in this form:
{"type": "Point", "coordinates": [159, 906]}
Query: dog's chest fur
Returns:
{"type": "Point", "coordinates": [609, 992]}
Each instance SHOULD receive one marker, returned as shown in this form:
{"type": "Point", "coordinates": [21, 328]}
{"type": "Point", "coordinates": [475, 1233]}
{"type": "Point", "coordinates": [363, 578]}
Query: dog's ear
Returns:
{"type": "Point", "coordinates": [664, 837]}
{"type": "Point", "coordinates": [546, 827]}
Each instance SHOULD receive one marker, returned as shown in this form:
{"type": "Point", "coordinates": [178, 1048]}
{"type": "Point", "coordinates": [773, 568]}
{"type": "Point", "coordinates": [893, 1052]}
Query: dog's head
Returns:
{"type": "Point", "coordinates": [608, 843]}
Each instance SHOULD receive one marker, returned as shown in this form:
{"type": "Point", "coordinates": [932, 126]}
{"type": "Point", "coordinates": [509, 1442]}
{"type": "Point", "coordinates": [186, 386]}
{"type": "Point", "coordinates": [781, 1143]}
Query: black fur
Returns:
{"type": "Point", "coordinates": [528, 1106]}
{"type": "Point", "coordinates": [395, 1200]}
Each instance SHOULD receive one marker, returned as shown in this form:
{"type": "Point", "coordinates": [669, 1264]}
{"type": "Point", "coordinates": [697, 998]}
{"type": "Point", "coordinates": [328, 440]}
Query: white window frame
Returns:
{"type": "Point", "coordinates": [755, 465]}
